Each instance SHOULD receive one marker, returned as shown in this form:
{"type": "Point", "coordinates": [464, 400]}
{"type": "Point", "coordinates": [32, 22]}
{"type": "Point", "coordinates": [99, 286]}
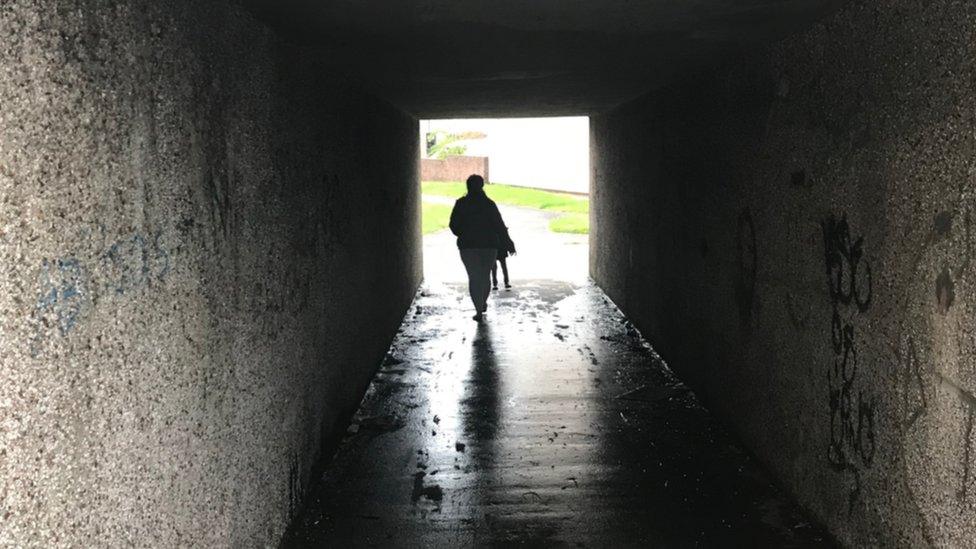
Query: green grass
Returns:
{"type": "Point", "coordinates": [573, 223]}
{"type": "Point", "coordinates": [513, 196]}
{"type": "Point", "coordinates": [434, 217]}
{"type": "Point", "coordinates": [576, 218]}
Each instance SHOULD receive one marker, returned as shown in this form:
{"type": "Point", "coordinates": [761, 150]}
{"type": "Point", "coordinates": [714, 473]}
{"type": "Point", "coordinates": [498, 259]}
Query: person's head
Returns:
{"type": "Point", "coordinates": [475, 183]}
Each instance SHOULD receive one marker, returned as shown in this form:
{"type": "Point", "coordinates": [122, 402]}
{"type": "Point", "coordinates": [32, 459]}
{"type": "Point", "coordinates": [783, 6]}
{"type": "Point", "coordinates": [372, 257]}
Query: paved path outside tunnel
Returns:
{"type": "Point", "coordinates": [542, 254]}
{"type": "Point", "coordinates": [551, 423]}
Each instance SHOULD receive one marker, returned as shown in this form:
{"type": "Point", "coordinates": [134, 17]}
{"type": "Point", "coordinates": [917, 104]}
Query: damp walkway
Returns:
{"type": "Point", "coordinates": [552, 423]}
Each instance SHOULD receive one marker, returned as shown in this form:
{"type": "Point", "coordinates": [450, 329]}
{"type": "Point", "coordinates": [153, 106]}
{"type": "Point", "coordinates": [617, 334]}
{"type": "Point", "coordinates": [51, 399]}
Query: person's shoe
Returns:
{"type": "Point", "coordinates": [495, 287]}
{"type": "Point", "coordinates": [478, 317]}
{"type": "Point", "coordinates": [508, 286]}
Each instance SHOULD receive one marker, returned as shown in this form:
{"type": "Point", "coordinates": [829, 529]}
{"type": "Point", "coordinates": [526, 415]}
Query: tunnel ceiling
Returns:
{"type": "Point", "coordinates": [456, 58]}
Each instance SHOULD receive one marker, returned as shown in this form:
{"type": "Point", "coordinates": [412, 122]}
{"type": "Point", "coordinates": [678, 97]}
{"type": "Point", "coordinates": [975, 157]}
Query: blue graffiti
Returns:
{"type": "Point", "coordinates": [62, 291]}
{"type": "Point", "coordinates": [65, 285]}
{"type": "Point", "coordinates": [133, 263]}
{"type": "Point", "coordinates": [62, 296]}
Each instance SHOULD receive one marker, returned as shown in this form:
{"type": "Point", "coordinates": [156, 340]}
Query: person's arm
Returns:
{"type": "Point", "coordinates": [507, 242]}
{"type": "Point", "coordinates": [455, 223]}
{"type": "Point", "coordinates": [500, 229]}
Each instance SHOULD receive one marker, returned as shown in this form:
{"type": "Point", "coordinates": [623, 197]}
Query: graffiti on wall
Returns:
{"type": "Point", "coordinates": [133, 262]}
{"type": "Point", "coordinates": [945, 292]}
{"type": "Point", "coordinates": [748, 265]}
{"type": "Point", "coordinates": [922, 386]}
{"type": "Point", "coordinates": [967, 464]}
{"type": "Point", "coordinates": [915, 381]}
{"type": "Point", "coordinates": [296, 488]}
{"type": "Point", "coordinates": [914, 402]}
{"type": "Point", "coordinates": [63, 292]}
{"type": "Point", "coordinates": [852, 442]}
{"type": "Point", "coordinates": [67, 285]}
{"type": "Point", "coordinates": [956, 241]}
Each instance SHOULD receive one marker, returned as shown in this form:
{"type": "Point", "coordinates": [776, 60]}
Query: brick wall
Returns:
{"type": "Point", "coordinates": [453, 168]}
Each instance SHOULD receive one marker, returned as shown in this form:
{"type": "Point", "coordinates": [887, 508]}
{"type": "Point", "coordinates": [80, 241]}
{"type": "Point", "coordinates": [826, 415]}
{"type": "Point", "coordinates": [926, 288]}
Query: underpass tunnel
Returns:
{"type": "Point", "coordinates": [211, 236]}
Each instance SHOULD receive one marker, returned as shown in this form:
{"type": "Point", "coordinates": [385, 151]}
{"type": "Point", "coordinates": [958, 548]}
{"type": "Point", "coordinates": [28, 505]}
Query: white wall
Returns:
{"type": "Point", "coordinates": [534, 152]}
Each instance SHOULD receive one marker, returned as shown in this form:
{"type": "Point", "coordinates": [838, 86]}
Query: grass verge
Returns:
{"type": "Point", "coordinates": [513, 196]}
{"type": "Point", "coordinates": [434, 217]}
{"type": "Point", "coordinates": [573, 223]}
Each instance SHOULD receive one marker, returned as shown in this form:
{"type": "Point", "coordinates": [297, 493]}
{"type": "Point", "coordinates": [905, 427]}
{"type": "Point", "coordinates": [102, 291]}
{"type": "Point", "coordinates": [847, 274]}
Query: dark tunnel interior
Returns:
{"type": "Point", "coordinates": [215, 328]}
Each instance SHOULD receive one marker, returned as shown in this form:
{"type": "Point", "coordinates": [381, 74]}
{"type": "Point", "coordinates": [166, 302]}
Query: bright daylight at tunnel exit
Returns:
{"type": "Point", "coordinates": [449, 273]}
{"type": "Point", "coordinates": [536, 170]}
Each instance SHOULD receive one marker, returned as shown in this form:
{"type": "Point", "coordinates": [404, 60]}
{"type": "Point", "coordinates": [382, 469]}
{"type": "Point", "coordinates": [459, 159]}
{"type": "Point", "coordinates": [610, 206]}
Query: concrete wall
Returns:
{"type": "Point", "coordinates": [206, 244]}
{"type": "Point", "coordinates": [453, 168]}
{"type": "Point", "coordinates": [794, 233]}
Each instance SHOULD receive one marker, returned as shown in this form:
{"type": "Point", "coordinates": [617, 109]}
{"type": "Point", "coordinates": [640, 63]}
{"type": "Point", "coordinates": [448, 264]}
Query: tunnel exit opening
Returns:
{"type": "Point", "coordinates": [536, 170]}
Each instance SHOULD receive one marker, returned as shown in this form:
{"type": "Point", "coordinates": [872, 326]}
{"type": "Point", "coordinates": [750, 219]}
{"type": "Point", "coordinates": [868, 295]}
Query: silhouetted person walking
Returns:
{"type": "Point", "coordinates": [479, 227]}
{"type": "Point", "coordinates": [506, 248]}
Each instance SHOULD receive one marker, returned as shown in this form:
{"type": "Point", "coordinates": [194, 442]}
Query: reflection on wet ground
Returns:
{"type": "Point", "coordinates": [552, 423]}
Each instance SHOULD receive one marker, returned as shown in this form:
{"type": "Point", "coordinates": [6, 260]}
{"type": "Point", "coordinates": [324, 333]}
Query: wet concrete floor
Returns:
{"type": "Point", "coordinates": [552, 423]}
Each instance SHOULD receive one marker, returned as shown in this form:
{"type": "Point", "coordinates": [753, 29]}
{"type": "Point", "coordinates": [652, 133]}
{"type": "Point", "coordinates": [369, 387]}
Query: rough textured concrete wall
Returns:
{"type": "Point", "coordinates": [206, 245]}
{"type": "Point", "coordinates": [453, 168]}
{"type": "Point", "coordinates": [794, 233]}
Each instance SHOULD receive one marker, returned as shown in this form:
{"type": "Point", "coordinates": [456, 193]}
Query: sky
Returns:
{"type": "Point", "coordinates": [551, 153]}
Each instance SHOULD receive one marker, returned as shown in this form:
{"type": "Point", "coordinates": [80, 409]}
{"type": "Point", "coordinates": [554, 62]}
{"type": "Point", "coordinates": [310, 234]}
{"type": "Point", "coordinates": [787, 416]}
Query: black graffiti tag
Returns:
{"type": "Point", "coordinates": [913, 384]}
{"type": "Point", "coordinates": [852, 442]}
{"type": "Point", "coordinates": [848, 274]}
{"type": "Point", "coordinates": [851, 421]}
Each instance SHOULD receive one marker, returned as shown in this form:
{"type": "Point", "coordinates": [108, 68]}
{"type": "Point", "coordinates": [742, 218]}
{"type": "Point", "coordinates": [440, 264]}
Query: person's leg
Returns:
{"type": "Point", "coordinates": [494, 276]}
{"type": "Point", "coordinates": [477, 263]}
{"type": "Point", "coordinates": [471, 265]}
{"type": "Point", "coordinates": [486, 259]}
{"type": "Point", "coordinates": [505, 271]}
